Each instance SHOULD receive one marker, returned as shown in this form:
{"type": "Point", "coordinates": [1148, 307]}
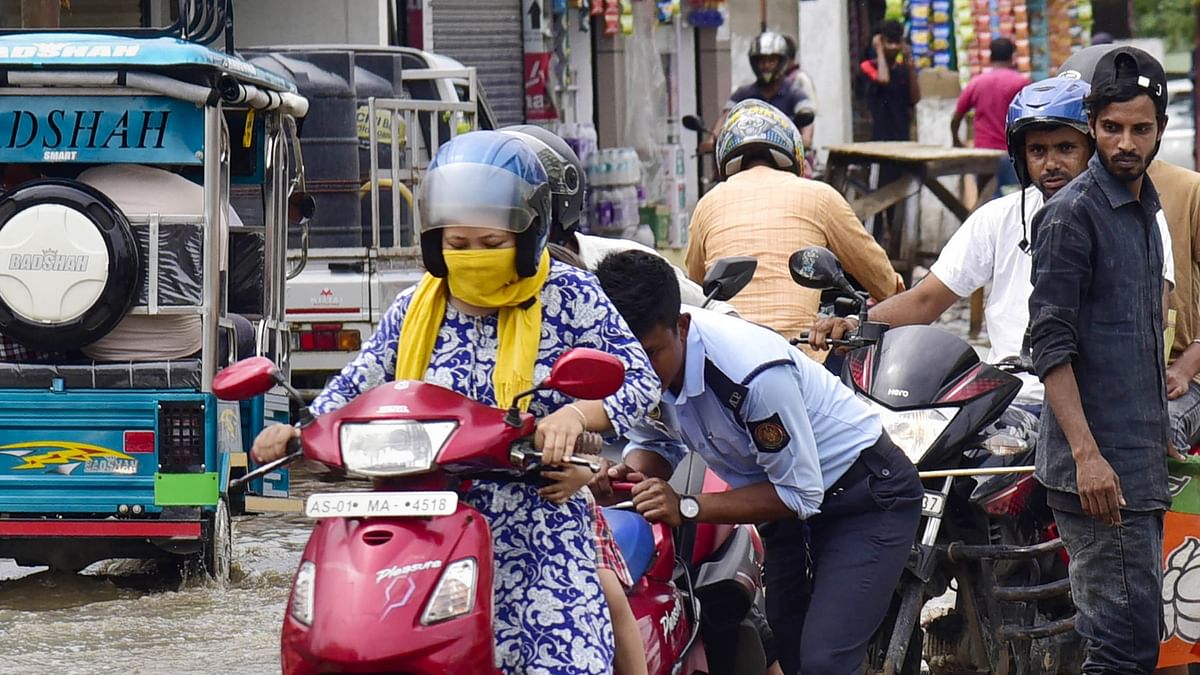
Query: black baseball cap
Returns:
{"type": "Point", "coordinates": [1127, 63]}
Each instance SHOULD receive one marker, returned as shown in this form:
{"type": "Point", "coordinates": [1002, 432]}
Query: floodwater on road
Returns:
{"type": "Point", "coordinates": [125, 617]}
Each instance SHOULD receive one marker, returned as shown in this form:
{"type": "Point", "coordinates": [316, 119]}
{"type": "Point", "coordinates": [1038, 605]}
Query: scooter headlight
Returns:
{"type": "Point", "coordinates": [393, 448]}
{"type": "Point", "coordinates": [303, 593]}
{"type": "Point", "coordinates": [914, 431]}
{"type": "Point", "coordinates": [455, 592]}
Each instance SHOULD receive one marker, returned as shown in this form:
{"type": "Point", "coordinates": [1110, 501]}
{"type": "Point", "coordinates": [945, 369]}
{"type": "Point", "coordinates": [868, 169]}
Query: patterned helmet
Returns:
{"type": "Point", "coordinates": [486, 179]}
{"type": "Point", "coordinates": [1052, 102]}
{"type": "Point", "coordinates": [768, 44]}
{"type": "Point", "coordinates": [759, 128]}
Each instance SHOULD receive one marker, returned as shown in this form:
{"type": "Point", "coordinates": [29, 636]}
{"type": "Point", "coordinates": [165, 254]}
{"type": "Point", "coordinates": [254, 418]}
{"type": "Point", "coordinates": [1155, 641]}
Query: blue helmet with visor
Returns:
{"type": "Point", "coordinates": [1052, 102]}
{"type": "Point", "coordinates": [485, 179]}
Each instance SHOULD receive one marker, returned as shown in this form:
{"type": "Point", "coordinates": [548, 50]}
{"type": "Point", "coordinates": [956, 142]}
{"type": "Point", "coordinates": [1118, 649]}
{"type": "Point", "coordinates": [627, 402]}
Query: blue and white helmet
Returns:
{"type": "Point", "coordinates": [486, 179]}
{"type": "Point", "coordinates": [1056, 101]}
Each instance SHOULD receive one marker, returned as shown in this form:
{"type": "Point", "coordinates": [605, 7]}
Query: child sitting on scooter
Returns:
{"type": "Point", "coordinates": [488, 320]}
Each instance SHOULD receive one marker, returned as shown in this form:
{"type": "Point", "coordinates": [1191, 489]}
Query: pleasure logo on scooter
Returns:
{"type": "Point", "coordinates": [405, 570]}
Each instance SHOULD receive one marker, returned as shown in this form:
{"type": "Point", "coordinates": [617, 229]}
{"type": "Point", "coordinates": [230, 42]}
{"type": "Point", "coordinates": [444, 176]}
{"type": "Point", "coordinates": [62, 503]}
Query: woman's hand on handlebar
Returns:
{"type": "Point", "coordinates": [272, 442]}
{"type": "Point", "coordinates": [829, 328]}
{"type": "Point", "coordinates": [557, 433]}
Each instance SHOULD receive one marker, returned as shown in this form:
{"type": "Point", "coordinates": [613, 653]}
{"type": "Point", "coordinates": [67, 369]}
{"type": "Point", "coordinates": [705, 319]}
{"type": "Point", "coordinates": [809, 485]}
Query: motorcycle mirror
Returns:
{"type": "Point", "coordinates": [818, 268]}
{"type": "Point", "coordinates": [804, 118]}
{"type": "Point", "coordinates": [693, 123]}
{"type": "Point", "coordinates": [587, 374]}
{"type": "Point", "coordinates": [246, 379]}
{"type": "Point", "coordinates": [302, 206]}
{"type": "Point", "coordinates": [728, 276]}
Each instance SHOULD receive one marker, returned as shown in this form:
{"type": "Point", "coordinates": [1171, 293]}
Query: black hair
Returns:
{"type": "Point", "coordinates": [644, 289]}
{"type": "Point", "coordinates": [892, 30]}
{"type": "Point", "coordinates": [1120, 91]}
{"type": "Point", "coordinates": [1003, 50]}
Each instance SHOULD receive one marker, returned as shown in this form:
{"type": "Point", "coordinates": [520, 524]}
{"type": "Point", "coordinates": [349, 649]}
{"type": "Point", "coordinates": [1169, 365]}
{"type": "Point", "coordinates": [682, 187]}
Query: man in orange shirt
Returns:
{"type": "Point", "coordinates": [766, 210]}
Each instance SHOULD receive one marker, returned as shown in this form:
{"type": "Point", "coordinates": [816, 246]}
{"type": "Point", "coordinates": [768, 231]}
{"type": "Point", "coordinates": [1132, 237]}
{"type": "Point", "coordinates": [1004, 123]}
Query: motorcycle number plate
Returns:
{"type": "Point", "coordinates": [932, 504]}
{"type": "Point", "coordinates": [380, 504]}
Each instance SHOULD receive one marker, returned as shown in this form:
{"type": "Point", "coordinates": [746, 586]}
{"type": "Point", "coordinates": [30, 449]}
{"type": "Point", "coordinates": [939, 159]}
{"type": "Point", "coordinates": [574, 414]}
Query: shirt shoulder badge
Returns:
{"type": "Point", "coordinates": [769, 435]}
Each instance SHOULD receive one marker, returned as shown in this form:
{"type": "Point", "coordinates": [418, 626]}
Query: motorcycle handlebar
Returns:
{"type": "Point", "coordinates": [804, 340]}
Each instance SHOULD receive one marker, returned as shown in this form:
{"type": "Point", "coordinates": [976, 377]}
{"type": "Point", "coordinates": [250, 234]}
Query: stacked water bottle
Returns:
{"type": "Point", "coordinates": [614, 175]}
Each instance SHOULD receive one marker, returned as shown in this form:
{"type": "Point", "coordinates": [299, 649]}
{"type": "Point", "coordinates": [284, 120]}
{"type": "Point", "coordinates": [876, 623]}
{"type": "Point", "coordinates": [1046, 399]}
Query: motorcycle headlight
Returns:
{"type": "Point", "coordinates": [394, 447]}
{"type": "Point", "coordinates": [303, 592]}
{"type": "Point", "coordinates": [455, 592]}
{"type": "Point", "coordinates": [913, 431]}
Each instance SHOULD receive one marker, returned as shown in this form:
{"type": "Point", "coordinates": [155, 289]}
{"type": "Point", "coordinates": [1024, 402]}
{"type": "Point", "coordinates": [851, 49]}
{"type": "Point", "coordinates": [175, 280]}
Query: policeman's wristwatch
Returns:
{"type": "Point", "coordinates": [689, 508]}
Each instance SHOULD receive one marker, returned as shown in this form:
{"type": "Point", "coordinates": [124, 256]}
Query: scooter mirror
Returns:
{"type": "Point", "coordinates": [804, 118]}
{"type": "Point", "coordinates": [728, 276]}
{"type": "Point", "coordinates": [816, 267]}
{"type": "Point", "coordinates": [587, 374]}
{"type": "Point", "coordinates": [246, 379]}
{"type": "Point", "coordinates": [693, 123]}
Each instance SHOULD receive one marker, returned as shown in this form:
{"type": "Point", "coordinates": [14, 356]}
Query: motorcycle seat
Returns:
{"type": "Point", "coordinates": [634, 538]}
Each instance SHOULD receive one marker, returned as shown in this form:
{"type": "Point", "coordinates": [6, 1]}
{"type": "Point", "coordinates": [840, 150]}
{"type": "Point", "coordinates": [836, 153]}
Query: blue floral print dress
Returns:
{"type": "Point", "coordinates": [551, 616]}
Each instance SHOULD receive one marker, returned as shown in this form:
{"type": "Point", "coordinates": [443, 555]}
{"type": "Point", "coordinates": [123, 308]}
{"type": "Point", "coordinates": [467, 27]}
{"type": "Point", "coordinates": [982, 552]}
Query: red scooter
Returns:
{"type": "Point", "coordinates": [399, 579]}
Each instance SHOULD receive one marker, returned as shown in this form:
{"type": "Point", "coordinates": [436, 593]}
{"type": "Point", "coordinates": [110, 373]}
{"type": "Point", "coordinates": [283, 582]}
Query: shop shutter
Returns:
{"type": "Point", "coordinates": [486, 34]}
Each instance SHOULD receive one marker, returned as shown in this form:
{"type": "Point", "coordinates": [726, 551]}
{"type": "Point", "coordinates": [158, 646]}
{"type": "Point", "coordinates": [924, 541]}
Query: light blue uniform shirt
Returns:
{"type": "Point", "coordinates": [803, 427]}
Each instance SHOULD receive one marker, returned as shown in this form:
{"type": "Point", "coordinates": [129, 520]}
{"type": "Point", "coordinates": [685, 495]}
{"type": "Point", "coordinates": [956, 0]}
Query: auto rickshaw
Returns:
{"type": "Point", "coordinates": [103, 458]}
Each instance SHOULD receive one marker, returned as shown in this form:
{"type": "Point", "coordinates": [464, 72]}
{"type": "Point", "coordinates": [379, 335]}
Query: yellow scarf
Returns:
{"type": "Point", "coordinates": [484, 278]}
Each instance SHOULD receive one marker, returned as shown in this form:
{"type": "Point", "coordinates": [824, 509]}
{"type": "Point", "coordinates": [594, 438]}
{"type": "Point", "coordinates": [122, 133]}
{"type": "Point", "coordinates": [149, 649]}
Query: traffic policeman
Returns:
{"type": "Point", "coordinates": [797, 449]}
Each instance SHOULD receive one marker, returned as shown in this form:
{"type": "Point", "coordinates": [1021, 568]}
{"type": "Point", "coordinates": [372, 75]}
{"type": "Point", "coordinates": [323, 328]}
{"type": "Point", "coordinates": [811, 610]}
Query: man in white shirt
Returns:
{"type": "Point", "coordinates": [1049, 145]}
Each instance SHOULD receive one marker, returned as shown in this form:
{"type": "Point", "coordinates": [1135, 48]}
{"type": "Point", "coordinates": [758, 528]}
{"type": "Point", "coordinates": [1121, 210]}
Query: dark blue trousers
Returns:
{"type": "Point", "coordinates": [855, 550]}
{"type": "Point", "coordinates": [1116, 583]}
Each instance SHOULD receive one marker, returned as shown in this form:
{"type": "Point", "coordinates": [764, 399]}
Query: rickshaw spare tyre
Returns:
{"type": "Point", "coordinates": [69, 265]}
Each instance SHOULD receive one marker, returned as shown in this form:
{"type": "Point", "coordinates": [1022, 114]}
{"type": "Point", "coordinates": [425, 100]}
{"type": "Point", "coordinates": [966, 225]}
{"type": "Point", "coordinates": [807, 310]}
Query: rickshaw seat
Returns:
{"type": "Point", "coordinates": [175, 374]}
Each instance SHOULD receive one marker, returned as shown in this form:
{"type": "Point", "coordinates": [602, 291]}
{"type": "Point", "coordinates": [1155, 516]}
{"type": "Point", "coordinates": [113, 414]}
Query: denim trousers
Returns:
{"type": "Point", "coordinates": [1185, 418]}
{"type": "Point", "coordinates": [1116, 584]}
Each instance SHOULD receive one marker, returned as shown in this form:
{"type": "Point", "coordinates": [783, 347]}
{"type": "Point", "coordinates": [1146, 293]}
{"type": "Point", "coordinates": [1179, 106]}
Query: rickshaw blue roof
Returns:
{"type": "Point", "coordinates": [69, 50]}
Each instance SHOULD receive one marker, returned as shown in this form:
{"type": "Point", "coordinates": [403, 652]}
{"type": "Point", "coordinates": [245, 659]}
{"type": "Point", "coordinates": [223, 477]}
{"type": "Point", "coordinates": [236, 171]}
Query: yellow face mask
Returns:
{"type": "Point", "coordinates": [488, 277]}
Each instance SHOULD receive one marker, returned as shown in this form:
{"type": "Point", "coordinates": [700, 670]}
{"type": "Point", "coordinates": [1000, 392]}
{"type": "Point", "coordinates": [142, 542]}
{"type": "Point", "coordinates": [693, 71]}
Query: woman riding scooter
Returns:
{"type": "Point", "coordinates": [487, 320]}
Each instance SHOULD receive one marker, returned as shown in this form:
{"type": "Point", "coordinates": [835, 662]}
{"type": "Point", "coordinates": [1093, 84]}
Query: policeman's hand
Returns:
{"type": "Point", "coordinates": [834, 327]}
{"type": "Point", "coordinates": [556, 434]}
{"type": "Point", "coordinates": [1177, 383]}
{"type": "Point", "coordinates": [1099, 487]}
{"type": "Point", "coordinates": [657, 501]}
{"type": "Point", "coordinates": [568, 479]}
{"type": "Point", "coordinates": [271, 443]}
{"type": "Point", "coordinates": [602, 483]}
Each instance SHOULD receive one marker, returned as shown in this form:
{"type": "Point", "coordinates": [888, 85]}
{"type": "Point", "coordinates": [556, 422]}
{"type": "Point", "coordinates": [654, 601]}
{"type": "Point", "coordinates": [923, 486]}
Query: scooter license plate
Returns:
{"type": "Point", "coordinates": [380, 504]}
{"type": "Point", "coordinates": [932, 504]}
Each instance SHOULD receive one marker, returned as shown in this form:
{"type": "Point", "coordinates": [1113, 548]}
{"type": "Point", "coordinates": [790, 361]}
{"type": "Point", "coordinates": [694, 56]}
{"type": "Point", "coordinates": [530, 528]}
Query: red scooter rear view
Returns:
{"type": "Point", "coordinates": [399, 578]}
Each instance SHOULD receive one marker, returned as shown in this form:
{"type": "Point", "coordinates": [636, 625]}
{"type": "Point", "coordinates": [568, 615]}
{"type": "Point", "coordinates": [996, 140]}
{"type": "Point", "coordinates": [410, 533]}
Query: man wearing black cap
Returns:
{"type": "Point", "coordinates": [1096, 322]}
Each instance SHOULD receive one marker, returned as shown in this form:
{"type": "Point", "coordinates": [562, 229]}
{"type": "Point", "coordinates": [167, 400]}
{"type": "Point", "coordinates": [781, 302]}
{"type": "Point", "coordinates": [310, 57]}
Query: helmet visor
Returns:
{"type": "Point", "coordinates": [475, 195]}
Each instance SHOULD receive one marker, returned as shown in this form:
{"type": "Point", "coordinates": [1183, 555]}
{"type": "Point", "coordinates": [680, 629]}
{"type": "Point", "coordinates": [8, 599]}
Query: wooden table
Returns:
{"type": "Point", "coordinates": [918, 166]}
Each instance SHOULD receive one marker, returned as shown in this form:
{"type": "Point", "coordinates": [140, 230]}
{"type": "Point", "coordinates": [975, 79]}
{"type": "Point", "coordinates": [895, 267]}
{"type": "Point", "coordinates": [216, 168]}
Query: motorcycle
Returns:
{"type": "Point", "coordinates": [985, 530]}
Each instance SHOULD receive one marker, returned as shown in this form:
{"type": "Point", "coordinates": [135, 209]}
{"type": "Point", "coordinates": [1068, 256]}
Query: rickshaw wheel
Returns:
{"type": "Point", "coordinates": [64, 237]}
{"type": "Point", "coordinates": [218, 548]}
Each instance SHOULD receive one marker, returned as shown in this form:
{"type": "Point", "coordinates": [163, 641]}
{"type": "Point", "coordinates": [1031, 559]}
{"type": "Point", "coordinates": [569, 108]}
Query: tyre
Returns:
{"type": "Point", "coordinates": [69, 265]}
{"type": "Point", "coordinates": [217, 556]}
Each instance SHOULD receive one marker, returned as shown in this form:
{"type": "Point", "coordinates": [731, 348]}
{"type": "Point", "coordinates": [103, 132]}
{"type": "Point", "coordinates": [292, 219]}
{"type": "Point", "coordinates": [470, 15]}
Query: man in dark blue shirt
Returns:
{"type": "Point", "coordinates": [1096, 328]}
{"type": "Point", "coordinates": [892, 88]}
